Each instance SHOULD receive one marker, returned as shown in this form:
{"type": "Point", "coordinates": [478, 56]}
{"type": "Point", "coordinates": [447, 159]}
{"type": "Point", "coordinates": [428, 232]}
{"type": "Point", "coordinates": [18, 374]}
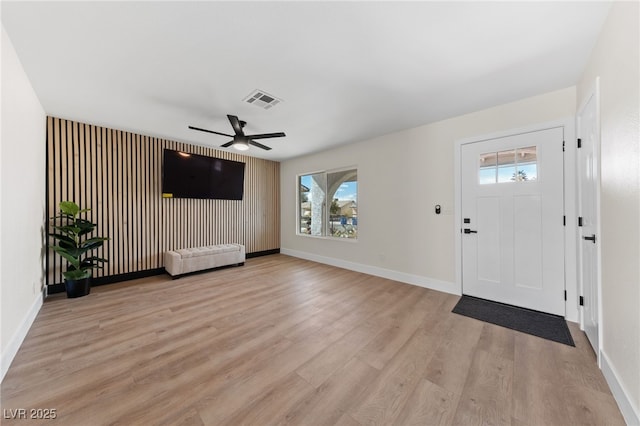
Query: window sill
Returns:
{"type": "Point", "coordinates": [322, 237]}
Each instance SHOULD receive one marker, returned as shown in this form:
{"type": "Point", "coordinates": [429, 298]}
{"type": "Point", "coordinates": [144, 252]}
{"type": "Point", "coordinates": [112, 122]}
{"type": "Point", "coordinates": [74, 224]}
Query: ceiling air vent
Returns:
{"type": "Point", "coordinates": [262, 99]}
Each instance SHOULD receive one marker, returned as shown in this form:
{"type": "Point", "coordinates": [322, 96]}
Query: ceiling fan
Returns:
{"type": "Point", "coordinates": [240, 140]}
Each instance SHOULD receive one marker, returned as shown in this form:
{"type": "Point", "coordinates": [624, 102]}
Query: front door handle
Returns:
{"type": "Point", "coordinates": [469, 231]}
{"type": "Point", "coordinates": [591, 238]}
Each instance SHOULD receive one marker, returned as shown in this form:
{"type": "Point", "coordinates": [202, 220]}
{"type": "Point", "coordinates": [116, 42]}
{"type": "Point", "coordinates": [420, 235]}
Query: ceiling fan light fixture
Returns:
{"type": "Point", "coordinates": [241, 141]}
{"type": "Point", "coordinates": [241, 145]}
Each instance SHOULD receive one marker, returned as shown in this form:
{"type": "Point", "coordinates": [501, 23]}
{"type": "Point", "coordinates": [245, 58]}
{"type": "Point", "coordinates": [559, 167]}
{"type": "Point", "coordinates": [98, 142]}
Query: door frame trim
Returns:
{"type": "Point", "coordinates": [570, 204]}
{"type": "Point", "coordinates": [592, 92]}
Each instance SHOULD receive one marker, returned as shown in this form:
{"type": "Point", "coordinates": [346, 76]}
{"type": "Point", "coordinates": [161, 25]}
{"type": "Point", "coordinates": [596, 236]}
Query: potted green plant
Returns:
{"type": "Point", "coordinates": [71, 233]}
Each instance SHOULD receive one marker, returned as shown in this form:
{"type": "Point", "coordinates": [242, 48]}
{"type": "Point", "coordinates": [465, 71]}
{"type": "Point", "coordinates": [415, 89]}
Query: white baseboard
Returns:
{"type": "Point", "coordinates": [629, 411]}
{"type": "Point", "coordinates": [18, 337]}
{"type": "Point", "coordinates": [417, 280]}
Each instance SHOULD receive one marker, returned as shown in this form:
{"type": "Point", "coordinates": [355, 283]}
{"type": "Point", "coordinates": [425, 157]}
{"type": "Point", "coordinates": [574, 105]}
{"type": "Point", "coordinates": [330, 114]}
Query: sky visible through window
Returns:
{"type": "Point", "coordinates": [505, 173]}
{"type": "Point", "coordinates": [346, 191]}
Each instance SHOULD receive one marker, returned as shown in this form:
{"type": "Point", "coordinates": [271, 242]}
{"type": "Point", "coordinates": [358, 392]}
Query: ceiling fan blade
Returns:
{"type": "Point", "coordinates": [210, 131]}
{"type": "Point", "coordinates": [267, 135]}
{"type": "Point", "coordinates": [235, 123]}
{"type": "Point", "coordinates": [226, 145]}
{"type": "Point", "coordinates": [259, 145]}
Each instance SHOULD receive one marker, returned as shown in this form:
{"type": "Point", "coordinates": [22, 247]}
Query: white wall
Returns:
{"type": "Point", "coordinates": [22, 209]}
{"type": "Point", "coordinates": [616, 59]}
{"type": "Point", "coordinates": [401, 177]}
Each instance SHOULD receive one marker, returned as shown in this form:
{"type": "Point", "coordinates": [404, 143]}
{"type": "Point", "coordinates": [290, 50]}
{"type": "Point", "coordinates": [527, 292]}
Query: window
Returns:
{"type": "Point", "coordinates": [328, 204]}
{"type": "Point", "coordinates": [312, 204]}
{"type": "Point", "coordinates": [516, 165]}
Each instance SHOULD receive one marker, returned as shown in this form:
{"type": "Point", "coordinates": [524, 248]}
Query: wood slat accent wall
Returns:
{"type": "Point", "coordinates": [118, 175]}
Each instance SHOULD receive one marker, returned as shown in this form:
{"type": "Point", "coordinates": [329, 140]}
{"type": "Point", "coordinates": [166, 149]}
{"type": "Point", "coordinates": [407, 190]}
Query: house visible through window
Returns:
{"type": "Point", "coordinates": [328, 204]}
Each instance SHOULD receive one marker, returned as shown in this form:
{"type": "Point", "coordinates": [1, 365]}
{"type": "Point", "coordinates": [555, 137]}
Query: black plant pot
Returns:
{"type": "Point", "coordinates": [77, 288]}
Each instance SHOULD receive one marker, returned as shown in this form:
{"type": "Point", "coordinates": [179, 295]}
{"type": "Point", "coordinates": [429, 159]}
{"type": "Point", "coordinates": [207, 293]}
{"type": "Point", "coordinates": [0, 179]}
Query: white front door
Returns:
{"type": "Point", "coordinates": [588, 220]}
{"type": "Point", "coordinates": [512, 220]}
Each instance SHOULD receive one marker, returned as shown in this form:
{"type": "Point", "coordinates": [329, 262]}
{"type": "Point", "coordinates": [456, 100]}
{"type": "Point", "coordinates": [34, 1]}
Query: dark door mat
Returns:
{"type": "Point", "coordinates": [547, 326]}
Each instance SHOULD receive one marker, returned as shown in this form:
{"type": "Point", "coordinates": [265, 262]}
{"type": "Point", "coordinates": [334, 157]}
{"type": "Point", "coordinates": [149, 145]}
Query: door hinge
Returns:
{"type": "Point", "coordinates": [581, 301]}
{"type": "Point", "coordinates": [579, 143]}
{"type": "Point", "coordinates": [565, 295]}
{"type": "Point", "coordinates": [579, 220]}
{"type": "Point", "coordinates": [564, 222]}
{"type": "Point", "coordinates": [562, 146]}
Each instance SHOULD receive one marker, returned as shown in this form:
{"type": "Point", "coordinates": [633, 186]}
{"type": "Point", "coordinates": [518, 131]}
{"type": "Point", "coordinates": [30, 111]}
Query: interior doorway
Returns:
{"type": "Point", "coordinates": [588, 221]}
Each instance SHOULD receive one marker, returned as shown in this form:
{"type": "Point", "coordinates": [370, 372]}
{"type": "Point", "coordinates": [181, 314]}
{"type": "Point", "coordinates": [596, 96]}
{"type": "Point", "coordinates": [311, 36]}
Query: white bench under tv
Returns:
{"type": "Point", "coordinates": [184, 261]}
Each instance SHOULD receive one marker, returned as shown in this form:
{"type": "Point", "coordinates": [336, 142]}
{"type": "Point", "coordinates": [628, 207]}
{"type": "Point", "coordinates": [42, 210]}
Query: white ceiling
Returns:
{"type": "Point", "coordinates": [347, 71]}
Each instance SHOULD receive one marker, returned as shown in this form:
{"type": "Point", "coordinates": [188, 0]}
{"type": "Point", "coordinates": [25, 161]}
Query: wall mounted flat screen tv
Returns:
{"type": "Point", "coordinates": [187, 175]}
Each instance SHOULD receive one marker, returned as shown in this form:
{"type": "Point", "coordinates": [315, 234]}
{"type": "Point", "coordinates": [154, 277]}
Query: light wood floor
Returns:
{"type": "Point", "coordinates": [287, 341]}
